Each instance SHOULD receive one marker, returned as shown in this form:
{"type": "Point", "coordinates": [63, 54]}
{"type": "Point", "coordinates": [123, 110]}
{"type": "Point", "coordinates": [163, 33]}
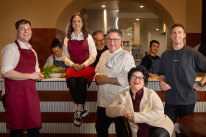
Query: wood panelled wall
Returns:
{"type": "Point", "coordinates": [193, 39]}
{"type": "Point", "coordinates": [41, 41]}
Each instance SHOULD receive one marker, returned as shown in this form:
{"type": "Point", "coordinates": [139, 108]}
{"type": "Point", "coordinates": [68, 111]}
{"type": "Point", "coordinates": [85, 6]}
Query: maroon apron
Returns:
{"type": "Point", "coordinates": [22, 101]}
{"type": "Point", "coordinates": [79, 53]}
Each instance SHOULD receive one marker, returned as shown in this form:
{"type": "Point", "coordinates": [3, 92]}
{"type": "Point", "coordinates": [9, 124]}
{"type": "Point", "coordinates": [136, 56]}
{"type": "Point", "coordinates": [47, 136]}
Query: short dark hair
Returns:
{"type": "Point", "coordinates": [115, 30]}
{"type": "Point", "coordinates": [22, 21]}
{"type": "Point", "coordinates": [97, 31]}
{"type": "Point", "coordinates": [139, 68]}
{"type": "Point", "coordinates": [153, 41]}
{"type": "Point", "coordinates": [177, 25]}
{"type": "Point", "coordinates": [56, 43]}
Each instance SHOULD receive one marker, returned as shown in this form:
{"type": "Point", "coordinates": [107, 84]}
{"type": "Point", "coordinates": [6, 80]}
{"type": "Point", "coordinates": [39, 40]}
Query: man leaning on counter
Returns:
{"type": "Point", "coordinates": [20, 70]}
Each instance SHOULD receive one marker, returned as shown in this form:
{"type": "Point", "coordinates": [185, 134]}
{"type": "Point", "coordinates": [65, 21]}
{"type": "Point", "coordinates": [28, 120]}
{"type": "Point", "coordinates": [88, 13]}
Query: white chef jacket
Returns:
{"type": "Point", "coordinates": [122, 66]}
{"type": "Point", "coordinates": [10, 56]}
{"type": "Point", "coordinates": [92, 49]}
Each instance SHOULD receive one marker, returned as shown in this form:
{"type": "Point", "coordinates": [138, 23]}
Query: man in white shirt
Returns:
{"type": "Point", "coordinates": [111, 77]}
{"type": "Point", "coordinates": [20, 70]}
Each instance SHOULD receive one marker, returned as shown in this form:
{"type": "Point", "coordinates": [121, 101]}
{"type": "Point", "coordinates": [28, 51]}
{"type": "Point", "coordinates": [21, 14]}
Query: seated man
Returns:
{"type": "Point", "coordinates": [57, 58]}
{"type": "Point", "coordinates": [151, 60]}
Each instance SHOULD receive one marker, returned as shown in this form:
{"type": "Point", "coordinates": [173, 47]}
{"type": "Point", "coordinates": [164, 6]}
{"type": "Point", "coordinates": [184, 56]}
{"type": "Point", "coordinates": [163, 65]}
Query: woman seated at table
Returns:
{"type": "Point", "coordinates": [56, 58]}
{"type": "Point", "coordinates": [142, 107]}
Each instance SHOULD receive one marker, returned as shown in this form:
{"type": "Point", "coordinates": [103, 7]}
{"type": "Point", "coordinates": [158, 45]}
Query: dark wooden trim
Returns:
{"type": "Point", "coordinates": [64, 96]}
{"type": "Point", "coordinates": [60, 135]}
{"type": "Point", "coordinates": [91, 96]}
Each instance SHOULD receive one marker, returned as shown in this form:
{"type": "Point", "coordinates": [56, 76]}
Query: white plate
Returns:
{"type": "Point", "coordinates": [56, 75]}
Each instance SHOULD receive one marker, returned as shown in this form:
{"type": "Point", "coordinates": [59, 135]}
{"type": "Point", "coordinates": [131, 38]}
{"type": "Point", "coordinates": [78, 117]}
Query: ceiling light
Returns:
{"type": "Point", "coordinates": [157, 29]}
{"type": "Point", "coordinates": [141, 6]}
{"type": "Point", "coordinates": [137, 19]}
{"type": "Point", "coordinates": [103, 6]}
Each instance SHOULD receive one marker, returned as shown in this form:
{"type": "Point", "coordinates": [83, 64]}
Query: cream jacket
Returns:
{"type": "Point", "coordinates": [151, 111]}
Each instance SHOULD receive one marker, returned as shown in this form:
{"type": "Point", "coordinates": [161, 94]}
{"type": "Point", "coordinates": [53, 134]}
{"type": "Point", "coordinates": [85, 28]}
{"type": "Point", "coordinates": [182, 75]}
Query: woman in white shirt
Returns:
{"type": "Point", "coordinates": [80, 52]}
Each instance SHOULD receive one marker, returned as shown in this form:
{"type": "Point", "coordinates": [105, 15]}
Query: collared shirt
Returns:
{"type": "Point", "coordinates": [10, 56]}
{"type": "Point", "coordinates": [120, 70]}
{"type": "Point", "coordinates": [50, 59]}
{"type": "Point", "coordinates": [92, 49]}
{"type": "Point", "coordinates": [143, 130]}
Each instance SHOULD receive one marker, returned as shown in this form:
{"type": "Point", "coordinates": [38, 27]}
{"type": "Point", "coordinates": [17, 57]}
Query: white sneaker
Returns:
{"type": "Point", "coordinates": [77, 118]}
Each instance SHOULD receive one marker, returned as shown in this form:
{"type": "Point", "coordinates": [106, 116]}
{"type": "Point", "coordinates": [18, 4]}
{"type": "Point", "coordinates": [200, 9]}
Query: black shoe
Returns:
{"type": "Point", "coordinates": [77, 118]}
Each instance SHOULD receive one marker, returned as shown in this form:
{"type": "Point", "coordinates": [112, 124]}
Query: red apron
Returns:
{"type": "Point", "coordinates": [79, 53]}
{"type": "Point", "coordinates": [22, 101]}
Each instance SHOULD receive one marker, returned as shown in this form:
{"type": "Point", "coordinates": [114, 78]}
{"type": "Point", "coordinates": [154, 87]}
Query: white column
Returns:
{"type": "Point", "coordinates": [136, 33]}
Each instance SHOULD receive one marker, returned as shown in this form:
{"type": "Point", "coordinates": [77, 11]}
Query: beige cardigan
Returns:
{"type": "Point", "coordinates": [151, 111]}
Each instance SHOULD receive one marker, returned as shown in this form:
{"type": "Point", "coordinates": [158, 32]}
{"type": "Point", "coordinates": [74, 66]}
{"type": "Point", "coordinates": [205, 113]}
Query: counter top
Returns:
{"type": "Point", "coordinates": [64, 79]}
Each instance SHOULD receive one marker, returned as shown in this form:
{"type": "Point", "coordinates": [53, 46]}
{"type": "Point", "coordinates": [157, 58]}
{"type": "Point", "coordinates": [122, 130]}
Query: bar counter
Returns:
{"type": "Point", "coordinates": [57, 108]}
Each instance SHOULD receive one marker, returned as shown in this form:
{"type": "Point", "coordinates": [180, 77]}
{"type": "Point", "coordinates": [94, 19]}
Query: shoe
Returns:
{"type": "Point", "coordinates": [84, 112]}
{"type": "Point", "coordinates": [77, 118]}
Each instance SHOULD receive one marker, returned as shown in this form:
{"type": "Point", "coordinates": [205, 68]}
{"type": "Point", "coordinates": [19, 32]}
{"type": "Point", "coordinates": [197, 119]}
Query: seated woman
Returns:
{"type": "Point", "coordinates": [57, 58]}
{"type": "Point", "coordinates": [142, 107]}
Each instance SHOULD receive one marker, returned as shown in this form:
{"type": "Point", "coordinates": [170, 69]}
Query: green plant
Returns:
{"type": "Point", "coordinates": [52, 69]}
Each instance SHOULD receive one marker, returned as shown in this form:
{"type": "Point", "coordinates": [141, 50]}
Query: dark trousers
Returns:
{"type": "Point", "coordinates": [78, 89]}
{"type": "Point", "coordinates": [158, 132]}
{"type": "Point", "coordinates": [103, 122]}
{"type": "Point", "coordinates": [34, 132]}
{"type": "Point", "coordinates": [3, 100]}
{"type": "Point", "coordinates": [174, 111]}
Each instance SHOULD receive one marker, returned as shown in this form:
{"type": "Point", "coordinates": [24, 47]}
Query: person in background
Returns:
{"type": "Point", "coordinates": [111, 77]}
{"type": "Point", "coordinates": [99, 41]}
{"type": "Point", "coordinates": [142, 107]}
{"type": "Point", "coordinates": [151, 60]}
{"type": "Point", "coordinates": [20, 70]}
{"type": "Point", "coordinates": [80, 52]}
{"type": "Point", "coordinates": [57, 58]}
{"type": "Point", "coordinates": [177, 75]}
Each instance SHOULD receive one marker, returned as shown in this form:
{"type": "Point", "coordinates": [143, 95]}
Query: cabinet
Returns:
{"type": "Point", "coordinates": [135, 50]}
{"type": "Point", "coordinates": [137, 53]}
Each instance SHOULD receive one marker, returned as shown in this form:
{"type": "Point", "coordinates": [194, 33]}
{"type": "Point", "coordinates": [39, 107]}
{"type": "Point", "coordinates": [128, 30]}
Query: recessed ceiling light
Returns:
{"type": "Point", "coordinates": [137, 19]}
{"type": "Point", "coordinates": [103, 6]}
{"type": "Point", "coordinates": [141, 6]}
{"type": "Point", "coordinates": [157, 29]}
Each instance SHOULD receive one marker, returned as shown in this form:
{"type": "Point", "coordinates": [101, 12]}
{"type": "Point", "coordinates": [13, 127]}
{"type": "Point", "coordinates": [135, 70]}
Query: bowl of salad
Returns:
{"type": "Point", "coordinates": [56, 75]}
{"type": "Point", "coordinates": [53, 72]}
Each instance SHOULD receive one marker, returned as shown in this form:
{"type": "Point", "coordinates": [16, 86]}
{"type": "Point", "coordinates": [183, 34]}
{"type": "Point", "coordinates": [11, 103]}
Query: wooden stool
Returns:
{"type": "Point", "coordinates": [194, 125]}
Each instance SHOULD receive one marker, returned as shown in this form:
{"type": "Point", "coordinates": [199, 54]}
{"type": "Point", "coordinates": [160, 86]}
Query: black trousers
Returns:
{"type": "Point", "coordinates": [78, 89]}
{"type": "Point", "coordinates": [34, 132]}
{"type": "Point", "coordinates": [3, 100]}
{"type": "Point", "coordinates": [158, 132]}
{"type": "Point", "coordinates": [174, 111]}
{"type": "Point", "coordinates": [103, 122]}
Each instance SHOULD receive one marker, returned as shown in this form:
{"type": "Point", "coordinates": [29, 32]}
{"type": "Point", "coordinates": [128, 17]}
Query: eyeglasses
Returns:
{"type": "Point", "coordinates": [136, 77]}
{"type": "Point", "coordinates": [99, 40]}
{"type": "Point", "coordinates": [110, 40]}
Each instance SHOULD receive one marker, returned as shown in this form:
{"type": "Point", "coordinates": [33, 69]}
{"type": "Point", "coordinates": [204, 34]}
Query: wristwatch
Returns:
{"type": "Point", "coordinates": [199, 84]}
